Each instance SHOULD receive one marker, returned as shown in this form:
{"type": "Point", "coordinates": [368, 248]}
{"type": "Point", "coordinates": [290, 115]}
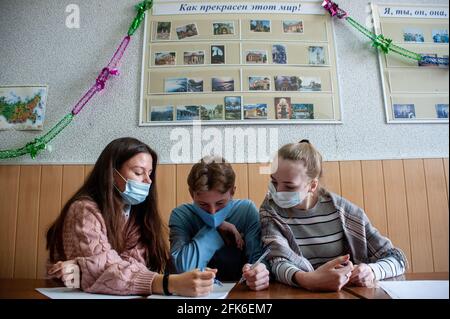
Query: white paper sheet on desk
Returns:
{"type": "Point", "coordinates": [70, 293]}
{"type": "Point", "coordinates": [416, 289]}
{"type": "Point", "coordinates": [218, 293]}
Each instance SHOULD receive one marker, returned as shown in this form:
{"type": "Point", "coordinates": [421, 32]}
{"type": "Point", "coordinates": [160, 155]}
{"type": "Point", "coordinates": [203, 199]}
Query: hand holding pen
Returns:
{"type": "Point", "coordinates": [259, 275]}
{"type": "Point", "coordinates": [216, 281]}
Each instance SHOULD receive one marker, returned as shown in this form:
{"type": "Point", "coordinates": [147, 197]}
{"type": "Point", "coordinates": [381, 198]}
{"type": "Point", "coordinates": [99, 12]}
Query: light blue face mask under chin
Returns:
{"type": "Point", "coordinates": [135, 192]}
{"type": "Point", "coordinates": [214, 220]}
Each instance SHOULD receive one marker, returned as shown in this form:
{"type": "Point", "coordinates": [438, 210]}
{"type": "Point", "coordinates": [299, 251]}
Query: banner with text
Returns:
{"type": "Point", "coordinates": [413, 12]}
{"type": "Point", "coordinates": [236, 8]}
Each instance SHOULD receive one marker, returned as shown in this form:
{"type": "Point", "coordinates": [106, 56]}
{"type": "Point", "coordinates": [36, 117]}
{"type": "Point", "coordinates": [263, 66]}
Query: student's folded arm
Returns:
{"type": "Point", "coordinates": [386, 261]}
{"type": "Point", "coordinates": [135, 254]}
{"type": "Point", "coordinates": [102, 269]}
{"type": "Point", "coordinates": [132, 255]}
{"type": "Point", "coordinates": [189, 252]}
{"type": "Point", "coordinates": [284, 271]}
{"type": "Point", "coordinates": [284, 261]}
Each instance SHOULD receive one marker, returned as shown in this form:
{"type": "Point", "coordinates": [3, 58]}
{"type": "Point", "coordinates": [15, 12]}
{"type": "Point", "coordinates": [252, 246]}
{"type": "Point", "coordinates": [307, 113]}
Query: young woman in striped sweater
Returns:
{"type": "Point", "coordinates": [319, 240]}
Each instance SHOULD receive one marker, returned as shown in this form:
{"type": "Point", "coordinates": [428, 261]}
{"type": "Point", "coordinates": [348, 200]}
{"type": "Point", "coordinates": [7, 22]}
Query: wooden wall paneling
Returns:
{"type": "Point", "coordinates": [9, 182]}
{"type": "Point", "coordinates": [73, 179]}
{"type": "Point", "coordinates": [167, 190]}
{"type": "Point", "coordinates": [331, 177]}
{"type": "Point", "coordinates": [49, 210]}
{"type": "Point", "coordinates": [241, 182]}
{"type": "Point", "coordinates": [446, 173]}
{"type": "Point", "coordinates": [87, 170]}
{"type": "Point", "coordinates": [183, 195]}
{"type": "Point", "coordinates": [258, 183]}
{"type": "Point", "coordinates": [27, 222]}
{"type": "Point", "coordinates": [374, 194]}
{"type": "Point", "coordinates": [351, 182]}
{"type": "Point", "coordinates": [407, 200]}
{"type": "Point", "coordinates": [419, 224]}
{"type": "Point", "coordinates": [438, 210]}
{"type": "Point", "coordinates": [397, 207]}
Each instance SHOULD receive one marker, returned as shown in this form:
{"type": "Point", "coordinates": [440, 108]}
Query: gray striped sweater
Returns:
{"type": "Point", "coordinates": [363, 241]}
{"type": "Point", "coordinates": [318, 232]}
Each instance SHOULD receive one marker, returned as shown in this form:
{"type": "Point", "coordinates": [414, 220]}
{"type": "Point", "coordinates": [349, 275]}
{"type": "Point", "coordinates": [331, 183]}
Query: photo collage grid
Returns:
{"type": "Point", "coordinates": [424, 37]}
{"type": "Point", "coordinates": [232, 107]}
{"type": "Point", "coordinates": [417, 35]}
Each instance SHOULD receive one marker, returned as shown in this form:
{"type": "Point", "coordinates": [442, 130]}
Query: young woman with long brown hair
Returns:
{"type": "Point", "coordinates": [111, 229]}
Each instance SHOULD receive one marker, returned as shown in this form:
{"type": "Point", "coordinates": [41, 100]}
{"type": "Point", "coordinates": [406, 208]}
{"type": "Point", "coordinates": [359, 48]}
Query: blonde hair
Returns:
{"type": "Point", "coordinates": [307, 154]}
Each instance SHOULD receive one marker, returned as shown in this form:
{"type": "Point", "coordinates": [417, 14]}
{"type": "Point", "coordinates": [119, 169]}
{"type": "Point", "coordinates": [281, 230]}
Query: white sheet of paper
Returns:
{"type": "Point", "coordinates": [71, 293]}
{"type": "Point", "coordinates": [416, 289]}
{"type": "Point", "coordinates": [218, 293]}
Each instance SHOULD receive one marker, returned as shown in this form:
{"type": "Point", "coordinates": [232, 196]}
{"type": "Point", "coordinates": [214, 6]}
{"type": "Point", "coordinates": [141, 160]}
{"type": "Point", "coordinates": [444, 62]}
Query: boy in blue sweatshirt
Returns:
{"type": "Point", "coordinates": [215, 230]}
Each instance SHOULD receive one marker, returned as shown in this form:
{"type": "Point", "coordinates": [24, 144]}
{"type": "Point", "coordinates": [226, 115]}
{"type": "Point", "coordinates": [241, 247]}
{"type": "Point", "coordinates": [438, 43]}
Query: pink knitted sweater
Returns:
{"type": "Point", "coordinates": [103, 270]}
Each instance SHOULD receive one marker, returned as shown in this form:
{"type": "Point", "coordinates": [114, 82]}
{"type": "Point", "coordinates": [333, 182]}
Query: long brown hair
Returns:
{"type": "Point", "coordinates": [99, 187]}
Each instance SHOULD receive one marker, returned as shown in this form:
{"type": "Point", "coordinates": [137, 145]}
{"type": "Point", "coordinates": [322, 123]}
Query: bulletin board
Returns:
{"type": "Point", "coordinates": [414, 92]}
{"type": "Point", "coordinates": [242, 62]}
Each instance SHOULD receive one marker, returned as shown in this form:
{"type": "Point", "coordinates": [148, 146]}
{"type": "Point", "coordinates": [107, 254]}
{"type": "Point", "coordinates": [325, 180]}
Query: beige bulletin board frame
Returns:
{"type": "Point", "coordinates": [404, 82]}
{"type": "Point", "coordinates": [154, 78]}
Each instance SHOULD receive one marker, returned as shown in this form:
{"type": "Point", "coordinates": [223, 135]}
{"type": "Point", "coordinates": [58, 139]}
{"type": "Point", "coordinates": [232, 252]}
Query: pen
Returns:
{"type": "Point", "coordinates": [216, 281]}
{"type": "Point", "coordinates": [256, 264]}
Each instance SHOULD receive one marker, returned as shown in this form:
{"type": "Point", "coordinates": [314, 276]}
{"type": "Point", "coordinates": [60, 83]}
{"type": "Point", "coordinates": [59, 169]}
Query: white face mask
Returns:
{"type": "Point", "coordinates": [286, 199]}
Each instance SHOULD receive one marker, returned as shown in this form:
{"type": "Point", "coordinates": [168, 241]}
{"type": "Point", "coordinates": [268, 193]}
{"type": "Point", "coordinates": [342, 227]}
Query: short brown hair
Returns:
{"type": "Point", "coordinates": [211, 173]}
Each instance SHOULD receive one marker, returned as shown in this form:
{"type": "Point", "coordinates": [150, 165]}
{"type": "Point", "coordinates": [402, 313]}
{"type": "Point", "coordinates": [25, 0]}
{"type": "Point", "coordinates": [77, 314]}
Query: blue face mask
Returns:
{"type": "Point", "coordinates": [214, 220]}
{"type": "Point", "coordinates": [135, 192]}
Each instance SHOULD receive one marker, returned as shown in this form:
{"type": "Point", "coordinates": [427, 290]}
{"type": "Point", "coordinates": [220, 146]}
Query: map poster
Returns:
{"type": "Point", "coordinates": [22, 107]}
